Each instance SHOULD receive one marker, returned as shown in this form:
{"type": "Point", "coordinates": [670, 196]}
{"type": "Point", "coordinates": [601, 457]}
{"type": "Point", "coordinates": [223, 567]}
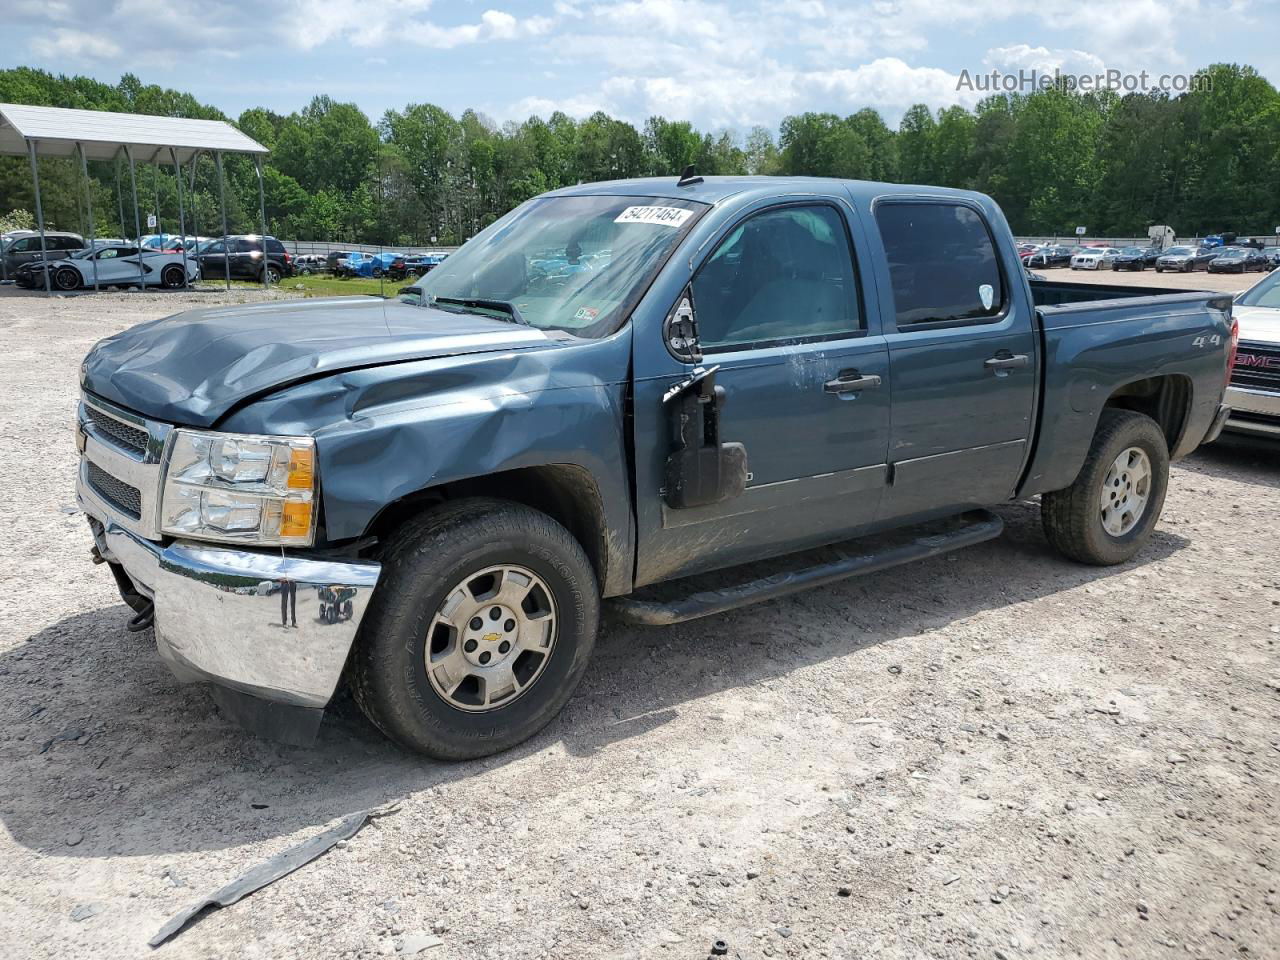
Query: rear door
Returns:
{"type": "Point", "coordinates": [781, 312]}
{"type": "Point", "coordinates": [961, 356]}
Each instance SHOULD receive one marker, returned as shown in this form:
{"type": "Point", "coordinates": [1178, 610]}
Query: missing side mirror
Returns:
{"type": "Point", "coordinates": [700, 469]}
{"type": "Point", "coordinates": [680, 330]}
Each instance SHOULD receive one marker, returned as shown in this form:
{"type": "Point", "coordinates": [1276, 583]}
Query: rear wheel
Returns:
{"type": "Point", "coordinates": [480, 629]}
{"type": "Point", "coordinates": [173, 277]}
{"type": "Point", "coordinates": [1109, 513]}
{"type": "Point", "coordinates": [273, 273]}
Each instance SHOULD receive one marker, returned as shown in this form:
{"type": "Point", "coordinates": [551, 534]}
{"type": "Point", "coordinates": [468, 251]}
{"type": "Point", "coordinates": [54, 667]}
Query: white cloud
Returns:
{"type": "Point", "coordinates": [493, 25]}
{"type": "Point", "coordinates": [75, 45]}
{"type": "Point", "coordinates": [1022, 56]}
{"type": "Point", "coordinates": [891, 85]}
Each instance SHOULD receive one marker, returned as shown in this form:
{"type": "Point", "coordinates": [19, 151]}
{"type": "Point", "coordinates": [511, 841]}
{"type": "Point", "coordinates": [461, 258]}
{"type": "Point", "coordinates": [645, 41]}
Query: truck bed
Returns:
{"type": "Point", "coordinates": [1097, 339]}
{"type": "Point", "coordinates": [1053, 293]}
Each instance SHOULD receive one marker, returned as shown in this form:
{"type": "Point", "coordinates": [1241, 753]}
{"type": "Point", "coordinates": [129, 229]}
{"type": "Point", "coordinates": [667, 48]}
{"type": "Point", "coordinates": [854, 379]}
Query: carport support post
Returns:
{"type": "Point", "coordinates": [222, 202]}
{"type": "Point", "coordinates": [88, 197]}
{"type": "Point", "coordinates": [137, 222]}
{"type": "Point", "coordinates": [262, 210]}
{"type": "Point", "coordinates": [35, 182]}
{"type": "Point", "coordinates": [182, 217]}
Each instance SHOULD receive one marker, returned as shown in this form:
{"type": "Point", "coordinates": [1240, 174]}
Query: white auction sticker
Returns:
{"type": "Point", "coordinates": [665, 216]}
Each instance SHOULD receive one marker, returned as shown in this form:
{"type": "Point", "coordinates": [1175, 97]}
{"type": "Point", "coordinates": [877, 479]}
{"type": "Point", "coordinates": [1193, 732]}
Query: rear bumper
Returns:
{"type": "Point", "coordinates": [270, 631]}
{"type": "Point", "coordinates": [1254, 412]}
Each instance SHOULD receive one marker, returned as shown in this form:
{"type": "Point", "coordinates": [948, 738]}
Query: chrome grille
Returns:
{"type": "Point", "coordinates": [119, 494]}
{"type": "Point", "coordinates": [122, 434]}
{"type": "Point", "coordinates": [1257, 366]}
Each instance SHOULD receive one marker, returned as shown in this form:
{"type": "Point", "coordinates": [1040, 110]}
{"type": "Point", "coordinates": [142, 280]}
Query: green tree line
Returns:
{"type": "Point", "coordinates": [1201, 162]}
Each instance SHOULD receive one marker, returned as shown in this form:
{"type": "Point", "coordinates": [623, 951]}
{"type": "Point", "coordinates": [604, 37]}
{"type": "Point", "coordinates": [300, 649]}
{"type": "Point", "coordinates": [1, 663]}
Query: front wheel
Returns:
{"type": "Point", "coordinates": [66, 279]}
{"type": "Point", "coordinates": [1109, 513]}
{"type": "Point", "coordinates": [480, 629]}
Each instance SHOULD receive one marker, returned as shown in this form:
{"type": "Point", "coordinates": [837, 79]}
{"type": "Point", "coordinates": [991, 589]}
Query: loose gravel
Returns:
{"type": "Point", "coordinates": [991, 754]}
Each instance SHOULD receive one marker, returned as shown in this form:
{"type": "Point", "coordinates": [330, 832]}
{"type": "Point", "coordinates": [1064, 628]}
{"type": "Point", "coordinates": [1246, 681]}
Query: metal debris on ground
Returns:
{"type": "Point", "coordinates": [269, 871]}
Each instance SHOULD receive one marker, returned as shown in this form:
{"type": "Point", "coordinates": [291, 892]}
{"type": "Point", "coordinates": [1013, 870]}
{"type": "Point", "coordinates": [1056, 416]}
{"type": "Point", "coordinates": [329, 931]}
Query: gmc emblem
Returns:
{"type": "Point", "coordinates": [1257, 360]}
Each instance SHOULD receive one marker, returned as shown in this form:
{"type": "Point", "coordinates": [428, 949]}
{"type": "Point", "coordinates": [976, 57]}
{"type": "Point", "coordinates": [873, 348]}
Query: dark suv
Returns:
{"type": "Point", "coordinates": [243, 256]}
{"type": "Point", "coordinates": [58, 246]}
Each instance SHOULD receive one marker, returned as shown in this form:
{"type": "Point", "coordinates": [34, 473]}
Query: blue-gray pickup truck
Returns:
{"type": "Point", "coordinates": [613, 387]}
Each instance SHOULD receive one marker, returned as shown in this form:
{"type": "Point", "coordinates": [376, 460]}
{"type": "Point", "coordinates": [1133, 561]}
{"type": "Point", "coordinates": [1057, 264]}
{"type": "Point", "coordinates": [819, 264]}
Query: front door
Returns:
{"type": "Point", "coordinates": [780, 312]}
{"type": "Point", "coordinates": [962, 355]}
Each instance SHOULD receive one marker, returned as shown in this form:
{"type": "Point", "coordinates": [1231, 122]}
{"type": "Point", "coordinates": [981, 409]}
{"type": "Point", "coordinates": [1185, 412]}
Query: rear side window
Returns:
{"type": "Point", "coordinates": [275, 246]}
{"type": "Point", "coordinates": [942, 263]}
{"type": "Point", "coordinates": [784, 274]}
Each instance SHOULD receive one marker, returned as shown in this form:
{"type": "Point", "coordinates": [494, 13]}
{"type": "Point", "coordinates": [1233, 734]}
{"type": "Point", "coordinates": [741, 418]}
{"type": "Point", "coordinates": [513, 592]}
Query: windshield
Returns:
{"type": "Point", "coordinates": [1178, 252]}
{"type": "Point", "coordinates": [1232, 252]}
{"type": "Point", "coordinates": [1265, 293]}
{"type": "Point", "coordinates": [567, 263]}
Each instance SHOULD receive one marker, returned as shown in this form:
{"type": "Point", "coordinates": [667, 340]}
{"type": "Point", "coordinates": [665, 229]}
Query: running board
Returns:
{"type": "Point", "coordinates": [978, 525]}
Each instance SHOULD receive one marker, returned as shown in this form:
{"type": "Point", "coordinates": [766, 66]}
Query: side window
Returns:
{"type": "Point", "coordinates": [215, 247]}
{"type": "Point", "coordinates": [942, 263]}
{"type": "Point", "coordinates": [25, 245]}
{"type": "Point", "coordinates": [784, 274]}
{"type": "Point", "coordinates": [109, 254]}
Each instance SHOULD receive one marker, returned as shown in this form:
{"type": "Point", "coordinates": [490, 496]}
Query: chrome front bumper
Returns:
{"type": "Point", "coordinates": [1260, 410]}
{"type": "Point", "coordinates": [271, 628]}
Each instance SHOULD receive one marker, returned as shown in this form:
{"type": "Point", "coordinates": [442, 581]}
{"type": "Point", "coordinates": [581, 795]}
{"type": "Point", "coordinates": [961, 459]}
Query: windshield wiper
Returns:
{"type": "Point", "coordinates": [484, 303]}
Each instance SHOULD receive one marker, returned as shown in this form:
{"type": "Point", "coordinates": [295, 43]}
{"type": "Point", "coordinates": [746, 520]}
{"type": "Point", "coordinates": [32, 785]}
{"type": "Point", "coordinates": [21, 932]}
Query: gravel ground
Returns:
{"type": "Point", "coordinates": [991, 754]}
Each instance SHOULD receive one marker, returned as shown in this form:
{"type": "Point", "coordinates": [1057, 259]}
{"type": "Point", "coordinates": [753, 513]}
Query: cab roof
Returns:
{"type": "Point", "coordinates": [714, 190]}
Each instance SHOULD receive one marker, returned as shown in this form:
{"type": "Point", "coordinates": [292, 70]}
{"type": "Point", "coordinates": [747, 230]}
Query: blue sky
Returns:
{"type": "Point", "coordinates": [719, 64]}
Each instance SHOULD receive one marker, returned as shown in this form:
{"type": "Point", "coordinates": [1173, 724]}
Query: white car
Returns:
{"type": "Point", "coordinates": [1096, 258]}
{"type": "Point", "coordinates": [1254, 392]}
{"type": "Point", "coordinates": [116, 267]}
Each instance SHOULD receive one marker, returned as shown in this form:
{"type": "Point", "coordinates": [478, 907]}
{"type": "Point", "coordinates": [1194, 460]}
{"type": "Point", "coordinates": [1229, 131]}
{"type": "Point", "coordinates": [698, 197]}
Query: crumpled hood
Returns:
{"type": "Point", "coordinates": [193, 367]}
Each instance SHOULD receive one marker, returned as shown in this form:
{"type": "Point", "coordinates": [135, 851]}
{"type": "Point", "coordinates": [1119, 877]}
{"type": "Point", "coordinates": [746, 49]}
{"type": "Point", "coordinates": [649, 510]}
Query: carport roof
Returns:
{"type": "Point", "coordinates": [58, 130]}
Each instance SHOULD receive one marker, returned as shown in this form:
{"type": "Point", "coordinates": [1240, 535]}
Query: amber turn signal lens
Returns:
{"type": "Point", "coordinates": [296, 520]}
{"type": "Point", "coordinates": [302, 469]}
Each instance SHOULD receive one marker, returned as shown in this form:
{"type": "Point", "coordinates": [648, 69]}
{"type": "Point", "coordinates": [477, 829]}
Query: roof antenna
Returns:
{"type": "Point", "coordinates": [688, 178]}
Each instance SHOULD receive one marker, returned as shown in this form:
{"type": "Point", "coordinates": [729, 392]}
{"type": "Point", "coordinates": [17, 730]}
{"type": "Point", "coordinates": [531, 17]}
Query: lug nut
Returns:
{"type": "Point", "coordinates": [509, 626]}
{"type": "Point", "coordinates": [495, 613]}
{"type": "Point", "coordinates": [470, 646]}
{"type": "Point", "coordinates": [485, 657]}
{"type": "Point", "coordinates": [504, 646]}
{"type": "Point", "coordinates": [476, 623]}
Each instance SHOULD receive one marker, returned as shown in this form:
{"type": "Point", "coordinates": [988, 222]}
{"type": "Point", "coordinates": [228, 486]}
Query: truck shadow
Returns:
{"type": "Point", "coordinates": [1253, 460]}
{"type": "Point", "coordinates": [107, 755]}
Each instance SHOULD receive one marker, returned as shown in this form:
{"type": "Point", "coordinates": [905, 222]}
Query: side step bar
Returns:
{"type": "Point", "coordinates": [978, 525]}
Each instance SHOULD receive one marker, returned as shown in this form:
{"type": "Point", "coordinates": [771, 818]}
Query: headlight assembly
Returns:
{"type": "Point", "coordinates": [221, 486]}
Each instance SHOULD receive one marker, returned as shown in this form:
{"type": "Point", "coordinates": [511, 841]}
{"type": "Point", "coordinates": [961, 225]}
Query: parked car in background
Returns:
{"type": "Point", "coordinates": [243, 253]}
{"type": "Point", "coordinates": [1050, 256]}
{"type": "Point", "coordinates": [1239, 260]}
{"type": "Point", "coordinates": [1254, 391]}
{"type": "Point", "coordinates": [307, 263]}
{"type": "Point", "coordinates": [391, 265]}
{"type": "Point", "coordinates": [420, 264]}
{"type": "Point", "coordinates": [117, 266]}
{"type": "Point", "coordinates": [26, 249]}
{"type": "Point", "coordinates": [1135, 258]}
{"type": "Point", "coordinates": [1094, 258]}
{"type": "Point", "coordinates": [479, 472]}
{"type": "Point", "coordinates": [1185, 259]}
{"type": "Point", "coordinates": [333, 257]}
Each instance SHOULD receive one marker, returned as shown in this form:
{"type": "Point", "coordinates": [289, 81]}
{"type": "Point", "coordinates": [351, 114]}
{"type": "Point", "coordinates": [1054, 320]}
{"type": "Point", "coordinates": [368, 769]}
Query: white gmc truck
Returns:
{"type": "Point", "coordinates": [1254, 391]}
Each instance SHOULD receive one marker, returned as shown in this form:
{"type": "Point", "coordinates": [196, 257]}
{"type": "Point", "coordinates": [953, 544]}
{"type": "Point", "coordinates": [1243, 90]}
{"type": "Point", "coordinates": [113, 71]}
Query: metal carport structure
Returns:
{"type": "Point", "coordinates": [101, 135]}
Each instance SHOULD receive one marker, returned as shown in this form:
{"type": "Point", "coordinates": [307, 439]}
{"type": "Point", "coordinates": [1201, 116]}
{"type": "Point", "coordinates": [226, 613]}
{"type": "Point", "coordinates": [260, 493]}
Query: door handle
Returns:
{"type": "Point", "coordinates": [849, 381]}
{"type": "Point", "coordinates": [1005, 361]}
